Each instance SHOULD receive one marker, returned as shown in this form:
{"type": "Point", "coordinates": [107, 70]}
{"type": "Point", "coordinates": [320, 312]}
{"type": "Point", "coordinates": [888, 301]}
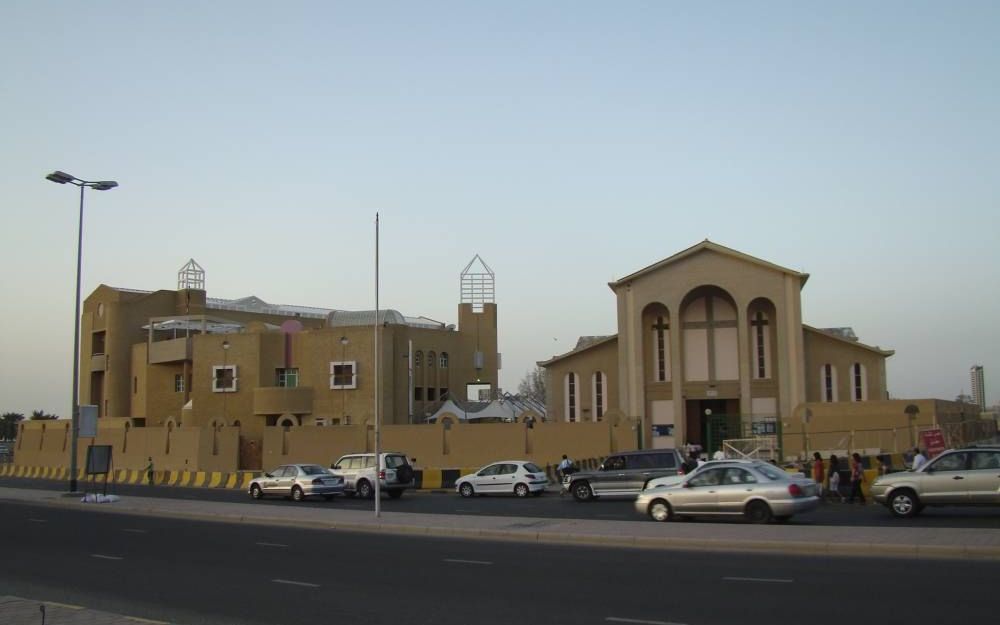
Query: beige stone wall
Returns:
{"type": "Point", "coordinates": [822, 348]}
{"type": "Point", "coordinates": [602, 357]}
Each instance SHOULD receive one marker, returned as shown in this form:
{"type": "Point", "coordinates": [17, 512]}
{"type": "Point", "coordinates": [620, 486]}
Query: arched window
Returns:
{"type": "Point", "coordinates": [859, 382]}
{"type": "Point", "coordinates": [418, 359]}
{"type": "Point", "coordinates": [661, 349]}
{"type": "Point", "coordinates": [828, 383]}
{"type": "Point", "coordinates": [600, 394]}
{"type": "Point", "coordinates": [431, 360]}
{"type": "Point", "coordinates": [444, 360]}
{"type": "Point", "coordinates": [761, 363]}
{"type": "Point", "coordinates": [571, 397]}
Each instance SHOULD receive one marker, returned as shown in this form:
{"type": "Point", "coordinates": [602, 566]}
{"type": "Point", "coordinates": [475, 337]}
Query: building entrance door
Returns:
{"type": "Point", "coordinates": [251, 454]}
{"type": "Point", "coordinates": [711, 421]}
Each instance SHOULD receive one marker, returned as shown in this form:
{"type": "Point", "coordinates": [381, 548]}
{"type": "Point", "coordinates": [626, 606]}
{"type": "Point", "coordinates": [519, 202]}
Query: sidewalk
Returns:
{"type": "Point", "coordinates": [897, 541]}
{"type": "Point", "coordinates": [18, 611]}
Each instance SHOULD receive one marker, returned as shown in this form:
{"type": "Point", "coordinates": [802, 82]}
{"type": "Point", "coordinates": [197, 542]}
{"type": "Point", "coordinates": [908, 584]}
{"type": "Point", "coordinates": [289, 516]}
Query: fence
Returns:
{"type": "Point", "coordinates": [873, 441]}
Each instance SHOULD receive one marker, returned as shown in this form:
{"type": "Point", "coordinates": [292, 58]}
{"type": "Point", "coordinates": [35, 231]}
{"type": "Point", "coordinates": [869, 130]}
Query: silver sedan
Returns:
{"type": "Point", "coordinates": [758, 491]}
{"type": "Point", "coordinates": [297, 481]}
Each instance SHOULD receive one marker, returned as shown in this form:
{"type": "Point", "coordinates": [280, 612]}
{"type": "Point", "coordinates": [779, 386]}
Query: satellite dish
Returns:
{"type": "Point", "coordinates": [292, 326]}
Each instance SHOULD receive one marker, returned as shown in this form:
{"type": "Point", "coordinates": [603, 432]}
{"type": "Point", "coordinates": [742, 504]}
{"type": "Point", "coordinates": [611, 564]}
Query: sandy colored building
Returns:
{"type": "Point", "coordinates": [711, 345]}
{"type": "Point", "coordinates": [179, 357]}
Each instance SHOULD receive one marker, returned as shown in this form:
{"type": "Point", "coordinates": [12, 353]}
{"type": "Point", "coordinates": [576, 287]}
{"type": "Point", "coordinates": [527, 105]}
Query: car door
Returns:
{"type": "Point", "coordinates": [485, 480]}
{"type": "Point", "coordinates": [944, 479]}
{"type": "Point", "coordinates": [287, 480]}
{"type": "Point", "coordinates": [611, 477]}
{"type": "Point", "coordinates": [983, 477]}
{"type": "Point", "coordinates": [700, 494]}
{"type": "Point", "coordinates": [737, 485]}
{"type": "Point", "coordinates": [269, 485]}
{"type": "Point", "coordinates": [639, 468]}
{"type": "Point", "coordinates": [505, 478]}
{"type": "Point", "coordinates": [349, 471]}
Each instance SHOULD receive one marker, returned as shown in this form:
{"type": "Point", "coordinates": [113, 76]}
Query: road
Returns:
{"type": "Point", "coordinates": [193, 572]}
{"type": "Point", "coordinates": [552, 506]}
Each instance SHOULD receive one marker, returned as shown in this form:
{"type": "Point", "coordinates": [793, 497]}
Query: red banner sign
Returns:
{"type": "Point", "coordinates": [933, 442]}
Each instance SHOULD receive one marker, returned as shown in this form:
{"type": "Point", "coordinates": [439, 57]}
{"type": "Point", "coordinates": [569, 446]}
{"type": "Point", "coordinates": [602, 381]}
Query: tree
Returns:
{"type": "Point", "coordinates": [41, 415]}
{"type": "Point", "coordinates": [8, 425]}
{"type": "Point", "coordinates": [533, 385]}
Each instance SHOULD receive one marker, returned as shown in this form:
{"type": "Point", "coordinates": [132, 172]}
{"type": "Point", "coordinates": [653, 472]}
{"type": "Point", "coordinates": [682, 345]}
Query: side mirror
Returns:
{"type": "Point", "coordinates": [268, 475]}
{"type": "Point", "coordinates": [336, 466]}
{"type": "Point", "coordinates": [601, 468]}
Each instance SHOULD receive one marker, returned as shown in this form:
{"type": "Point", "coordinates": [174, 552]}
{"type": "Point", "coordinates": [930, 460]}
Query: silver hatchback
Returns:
{"type": "Point", "coordinates": [756, 490]}
{"type": "Point", "coordinates": [297, 481]}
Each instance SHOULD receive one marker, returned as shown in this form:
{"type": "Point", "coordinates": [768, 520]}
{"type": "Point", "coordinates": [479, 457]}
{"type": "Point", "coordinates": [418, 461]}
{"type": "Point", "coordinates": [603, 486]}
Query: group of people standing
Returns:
{"type": "Point", "coordinates": [829, 481]}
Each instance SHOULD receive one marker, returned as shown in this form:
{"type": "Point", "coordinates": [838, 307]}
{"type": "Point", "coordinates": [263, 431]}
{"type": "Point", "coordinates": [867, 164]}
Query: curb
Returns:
{"type": "Point", "coordinates": [797, 548]}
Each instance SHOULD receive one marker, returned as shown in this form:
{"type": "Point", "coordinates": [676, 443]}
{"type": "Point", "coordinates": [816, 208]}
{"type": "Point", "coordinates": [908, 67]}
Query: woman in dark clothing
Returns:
{"type": "Point", "coordinates": [857, 478]}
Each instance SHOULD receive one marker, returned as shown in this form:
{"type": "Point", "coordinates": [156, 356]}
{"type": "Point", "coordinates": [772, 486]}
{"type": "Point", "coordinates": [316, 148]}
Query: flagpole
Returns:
{"type": "Point", "coordinates": [378, 443]}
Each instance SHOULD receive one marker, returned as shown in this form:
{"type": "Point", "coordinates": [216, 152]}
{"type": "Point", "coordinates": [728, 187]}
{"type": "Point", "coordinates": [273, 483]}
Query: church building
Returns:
{"type": "Point", "coordinates": [711, 345]}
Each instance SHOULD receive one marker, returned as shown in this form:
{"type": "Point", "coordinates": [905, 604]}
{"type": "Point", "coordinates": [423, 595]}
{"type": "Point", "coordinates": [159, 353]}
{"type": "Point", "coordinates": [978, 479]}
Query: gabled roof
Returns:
{"type": "Point", "coordinates": [714, 247]}
{"type": "Point", "coordinates": [583, 344]}
{"type": "Point", "coordinates": [856, 343]}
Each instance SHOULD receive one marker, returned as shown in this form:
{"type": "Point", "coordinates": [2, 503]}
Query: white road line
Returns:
{"type": "Point", "coordinates": [616, 619]}
{"type": "Point", "coordinates": [102, 557]}
{"type": "Point", "coordinates": [133, 531]}
{"type": "Point", "coordinates": [292, 583]}
{"type": "Point", "coordinates": [455, 561]}
{"type": "Point", "coordinates": [270, 545]}
{"type": "Point", "coordinates": [758, 579]}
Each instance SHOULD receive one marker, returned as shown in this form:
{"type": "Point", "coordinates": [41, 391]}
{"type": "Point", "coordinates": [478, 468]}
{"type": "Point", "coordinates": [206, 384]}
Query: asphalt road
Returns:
{"type": "Point", "coordinates": [552, 506]}
{"type": "Point", "coordinates": [193, 572]}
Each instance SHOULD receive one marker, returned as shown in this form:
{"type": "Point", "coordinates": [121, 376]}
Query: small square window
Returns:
{"type": "Point", "coordinates": [287, 378]}
{"type": "Point", "coordinates": [343, 375]}
{"type": "Point", "coordinates": [224, 379]}
{"type": "Point", "coordinates": [179, 383]}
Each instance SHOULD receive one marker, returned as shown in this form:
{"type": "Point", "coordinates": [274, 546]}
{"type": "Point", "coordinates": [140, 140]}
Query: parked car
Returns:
{"type": "Point", "coordinates": [623, 474]}
{"type": "Point", "coordinates": [395, 474]}
{"type": "Point", "coordinates": [297, 481]}
{"type": "Point", "coordinates": [519, 477]}
{"type": "Point", "coordinates": [756, 490]}
{"type": "Point", "coordinates": [958, 477]}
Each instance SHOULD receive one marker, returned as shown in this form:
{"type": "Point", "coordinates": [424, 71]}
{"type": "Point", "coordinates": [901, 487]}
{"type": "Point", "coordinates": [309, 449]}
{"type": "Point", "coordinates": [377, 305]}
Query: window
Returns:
{"type": "Point", "coordinates": [135, 384]}
{"type": "Point", "coordinates": [179, 383]}
{"type": "Point", "coordinates": [828, 383]}
{"type": "Point", "coordinates": [736, 475]}
{"type": "Point", "coordinates": [418, 393]}
{"type": "Point", "coordinates": [531, 467]}
{"type": "Point", "coordinates": [287, 378]}
{"type": "Point", "coordinates": [431, 394]}
{"type": "Point", "coordinates": [985, 460]}
{"type": "Point", "coordinates": [97, 343]}
{"type": "Point", "coordinates": [661, 350]}
{"type": "Point", "coordinates": [507, 469]}
{"type": "Point", "coordinates": [320, 421]}
{"type": "Point", "coordinates": [949, 462]}
{"type": "Point", "coordinates": [771, 473]}
{"type": "Point", "coordinates": [571, 397]}
{"type": "Point", "coordinates": [493, 469]}
{"type": "Point", "coordinates": [343, 374]}
{"type": "Point", "coordinates": [711, 477]}
{"type": "Point", "coordinates": [442, 393]}
{"type": "Point", "coordinates": [761, 345]}
{"type": "Point", "coordinates": [859, 383]}
{"type": "Point", "coordinates": [614, 463]}
{"type": "Point", "coordinates": [431, 360]}
{"type": "Point", "coordinates": [418, 359]}
{"type": "Point", "coordinates": [443, 363]}
{"type": "Point", "coordinates": [224, 379]}
{"type": "Point", "coordinates": [600, 398]}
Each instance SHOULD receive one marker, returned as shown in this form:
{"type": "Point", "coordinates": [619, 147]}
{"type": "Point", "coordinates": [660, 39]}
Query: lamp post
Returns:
{"type": "Point", "coordinates": [60, 177]}
{"type": "Point", "coordinates": [343, 363]}
{"type": "Point", "coordinates": [225, 372]}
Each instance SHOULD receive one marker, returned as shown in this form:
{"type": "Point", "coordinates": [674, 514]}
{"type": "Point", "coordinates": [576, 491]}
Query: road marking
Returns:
{"type": "Point", "coordinates": [68, 606]}
{"type": "Point", "coordinates": [102, 557]}
{"type": "Point", "coordinates": [270, 545]}
{"type": "Point", "coordinates": [758, 579]}
{"type": "Point", "coordinates": [133, 531]}
{"type": "Point", "coordinates": [292, 583]}
{"type": "Point", "coordinates": [615, 619]}
{"type": "Point", "coordinates": [38, 520]}
{"type": "Point", "coordinates": [139, 619]}
{"type": "Point", "coordinates": [455, 561]}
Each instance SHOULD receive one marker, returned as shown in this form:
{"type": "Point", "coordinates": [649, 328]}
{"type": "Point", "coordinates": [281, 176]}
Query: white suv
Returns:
{"type": "Point", "coordinates": [358, 470]}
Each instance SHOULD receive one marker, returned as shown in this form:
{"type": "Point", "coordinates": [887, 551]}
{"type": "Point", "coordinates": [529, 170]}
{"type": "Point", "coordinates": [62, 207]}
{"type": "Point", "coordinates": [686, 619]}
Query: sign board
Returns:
{"type": "Point", "coordinates": [98, 459]}
{"type": "Point", "coordinates": [932, 441]}
{"type": "Point", "coordinates": [88, 422]}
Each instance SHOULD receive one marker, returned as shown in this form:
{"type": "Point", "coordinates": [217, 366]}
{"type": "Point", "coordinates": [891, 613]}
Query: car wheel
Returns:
{"type": "Point", "coordinates": [396, 493]}
{"type": "Point", "coordinates": [256, 492]}
{"type": "Point", "coordinates": [297, 494]}
{"type": "Point", "coordinates": [758, 512]}
{"type": "Point", "coordinates": [904, 504]}
{"type": "Point", "coordinates": [365, 490]}
{"type": "Point", "coordinates": [660, 511]}
{"type": "Point", "coordinates": [521, 490]}
{"type": "Point", "coordinates": [466, 490]}
{"type": "Point", "coordinates": [582, 491]}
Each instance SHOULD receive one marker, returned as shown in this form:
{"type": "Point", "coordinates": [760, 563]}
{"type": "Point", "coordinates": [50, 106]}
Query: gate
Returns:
{"type": "Point", "coordinates": [719, 427]}
{"type": "Point", "coordinates": [251, 454]}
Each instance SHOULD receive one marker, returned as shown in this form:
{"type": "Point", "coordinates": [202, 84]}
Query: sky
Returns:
{"type": "Point", "coordinates": [567, 143]}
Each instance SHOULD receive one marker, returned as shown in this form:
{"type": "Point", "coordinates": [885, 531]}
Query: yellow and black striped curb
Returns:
{"type": "Point", "coordinates": [197, 479]}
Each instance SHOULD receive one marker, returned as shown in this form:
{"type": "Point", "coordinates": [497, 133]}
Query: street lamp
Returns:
{"type": "Point", "coordinates": [100, 185]}
{"type": "Point", "coordinates": [225, 374]}
{"type": "Point", "coordinates": [343, 364]}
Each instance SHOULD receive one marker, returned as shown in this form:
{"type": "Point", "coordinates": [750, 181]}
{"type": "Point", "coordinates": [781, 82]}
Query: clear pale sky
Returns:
{"type": "Point", "coordinates": [568, 143]}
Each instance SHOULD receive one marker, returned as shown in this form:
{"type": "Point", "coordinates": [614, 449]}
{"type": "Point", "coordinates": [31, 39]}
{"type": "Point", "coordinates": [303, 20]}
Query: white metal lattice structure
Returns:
{"type": "Point", "coordinates": [478, 284]}
{"type": "Point", "coordinates": [191, 276]}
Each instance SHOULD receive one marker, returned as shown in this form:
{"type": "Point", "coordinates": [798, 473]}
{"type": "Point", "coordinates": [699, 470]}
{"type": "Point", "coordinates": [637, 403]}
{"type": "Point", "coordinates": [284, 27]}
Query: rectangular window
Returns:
{"type": "Point", "coordinates": [599, 394]}
{"type": "Point", "coordinates": [287, 378]}
{"type": "Point", "coordinates": [344, 374]}
{"type": "Point", "coordinates": [97, 342]}
{"type": "Point", "coordinates": [224, 379]}
{"type": "Point", "coordinates": [827, 383]}
{"type": "Point", "coordinates": [443, 393]}
{"type": "Point", "coordinates": [661, 352]}
{"type": "Point", "coordinates": [135, 385]}
{"type": "Point", "coordinates": [179, 383]}
{"type": "Point", "coordinates": [761, 368]}
{"type": "Point", "coordinates": [572, 397]}
{"type": "Point", "coordinates": [431, 394]}
{"type": "Point", "coordinates": [321, 421]}
{"type": "Point", "coordinates": [418, 393]}
{"type": "Point", "coordinates": [858, 388]}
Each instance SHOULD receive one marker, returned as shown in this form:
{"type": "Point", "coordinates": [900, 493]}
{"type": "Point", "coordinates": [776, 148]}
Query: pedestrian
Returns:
{"type": "Point", "coordinates": [719, 454]}
{"type": "Point", "coordinates": [919, 459]}
{"type": "Point", "coordinates": [149, 471]}
{"type": "Point", "coordinates": [834, 477]}
{"type": "Point", "coordinates": [819, 472]}
{"type": "Point", "coordinates": [701, 460]}
{"type": "Point", "coordinates": [565, 467]}
{"type": "Point", "coordinates": [689, 465]}
{"type": "Point", "coordinates": [857, 479]}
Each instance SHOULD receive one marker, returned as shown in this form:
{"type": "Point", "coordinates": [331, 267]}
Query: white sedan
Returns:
{"type": "Point", "coordinates": [519, 477]}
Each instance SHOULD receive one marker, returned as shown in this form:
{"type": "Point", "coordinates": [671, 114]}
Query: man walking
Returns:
{"type": "Point", "coordinates": [149, 472]}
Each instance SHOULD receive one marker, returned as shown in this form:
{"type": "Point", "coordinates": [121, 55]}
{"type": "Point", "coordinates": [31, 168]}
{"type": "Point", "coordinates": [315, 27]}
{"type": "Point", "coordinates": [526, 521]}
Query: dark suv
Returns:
{"type": "Point", "coordinates": [623, 474]}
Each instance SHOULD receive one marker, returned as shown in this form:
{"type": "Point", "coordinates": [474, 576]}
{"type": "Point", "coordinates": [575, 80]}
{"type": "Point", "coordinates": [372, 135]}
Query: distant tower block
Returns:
{"type": "Point", "coordinates": [478, 283]}
{"type": "Point", "coordinates": [191, 276]}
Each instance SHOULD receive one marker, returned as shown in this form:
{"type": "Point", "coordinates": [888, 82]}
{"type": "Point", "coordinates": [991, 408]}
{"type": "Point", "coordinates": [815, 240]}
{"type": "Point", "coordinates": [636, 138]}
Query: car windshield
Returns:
{"type": "Point", "coordinates": [532, 468]}
{"type": "Point", "coordinates": [770, 472]}
{"type": "Point", "coordinates": [313, 469]}
{"type": "Point", "coordinates": [394, 462]}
